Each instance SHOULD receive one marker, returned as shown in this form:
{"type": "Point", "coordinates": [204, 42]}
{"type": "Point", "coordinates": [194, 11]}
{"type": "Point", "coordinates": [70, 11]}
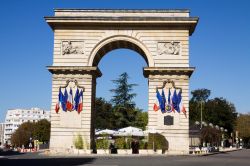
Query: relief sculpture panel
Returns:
{"type": "Point", "coordinates": [72, 47]}
{"type": "Point", "coordinates": [168, 48]}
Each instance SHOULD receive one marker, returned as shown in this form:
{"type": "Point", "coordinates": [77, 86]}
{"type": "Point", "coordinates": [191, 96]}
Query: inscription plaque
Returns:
{"type": "Point", "coordinates": [168, 120]}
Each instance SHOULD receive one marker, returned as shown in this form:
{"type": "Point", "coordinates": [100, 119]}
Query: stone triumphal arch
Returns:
{"type": "Point", "coordinates": [82, 37]}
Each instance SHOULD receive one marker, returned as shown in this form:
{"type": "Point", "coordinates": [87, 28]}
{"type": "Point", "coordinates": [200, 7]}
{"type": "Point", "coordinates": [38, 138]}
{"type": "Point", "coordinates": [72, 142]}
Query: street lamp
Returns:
{"type": "Point", "coordinates": [211, 125]}
{"type": "Point", "coordinates": [204, 123]}
{"type": "Point", "coordinates": [197, 122]}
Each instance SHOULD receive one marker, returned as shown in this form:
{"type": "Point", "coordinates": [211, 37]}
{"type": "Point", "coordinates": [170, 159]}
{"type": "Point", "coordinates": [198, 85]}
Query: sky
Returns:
{"type": "Point", "coordinates": [219, 49]}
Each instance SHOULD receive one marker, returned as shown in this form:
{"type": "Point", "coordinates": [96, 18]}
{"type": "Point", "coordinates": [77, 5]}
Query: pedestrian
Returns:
{"type": "Point", "coordinates": [30, 146]}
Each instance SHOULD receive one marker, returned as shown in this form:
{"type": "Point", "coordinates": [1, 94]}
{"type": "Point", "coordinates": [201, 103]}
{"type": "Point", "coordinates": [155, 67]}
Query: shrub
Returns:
{"type": "Point", "coordinates": [102, 144]}
{"type": "Point", "coordinates": [78, 142]}
{"type": "Point", "coordinates": [159, 140]}
{"type": "Point", "coordinates": [120, 143]}
{"type": "Point", "coordinates": [143, 145]}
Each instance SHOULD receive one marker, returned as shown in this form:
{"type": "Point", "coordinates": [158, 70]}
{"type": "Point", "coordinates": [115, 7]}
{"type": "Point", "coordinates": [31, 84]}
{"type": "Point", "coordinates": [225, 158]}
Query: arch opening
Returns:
{"type": "Point", "coordinates": [121, 60]}
{"type": "Point", "coordinates": [117, 42]}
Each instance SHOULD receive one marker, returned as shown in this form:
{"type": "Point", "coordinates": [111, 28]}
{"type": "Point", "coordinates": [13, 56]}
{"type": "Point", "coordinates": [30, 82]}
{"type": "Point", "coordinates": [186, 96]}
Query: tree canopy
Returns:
{"type": "Point", "coordinates": [242, 126]}
{"type": "Point", "coordinates": [123, 96]}
{"type": "Point", "coordinates": [104, 114]}
{"type": "Point", "coordinates": [36, 130]}
{"type": "Point", "coordinates": [42, 130]}
{"type": "Point", "coordinates": [121, 111]}
{"type": "Point", "coordinates": [200, 95]}
{"type": "Point", "coordinates": [217, 111]}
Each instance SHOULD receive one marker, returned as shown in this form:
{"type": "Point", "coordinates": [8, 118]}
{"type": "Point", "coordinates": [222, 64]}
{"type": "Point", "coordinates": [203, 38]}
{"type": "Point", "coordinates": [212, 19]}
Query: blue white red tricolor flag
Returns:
{"type": "Point", "coordinates": [69, 104]}
{"type": "Point", "coordinates": [181, 105]}
{"type": "Point", "coordinates": [60, 101]}
{"type": "Point", "coordinates": [174, 102]}
{"type": "Point", "coordinates": [80, 102]}
{"type": "Point", "coordinates": [76, 99]}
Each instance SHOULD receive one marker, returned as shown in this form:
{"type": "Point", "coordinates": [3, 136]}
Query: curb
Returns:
{"type": "Point", "coordinates": [209, 154]}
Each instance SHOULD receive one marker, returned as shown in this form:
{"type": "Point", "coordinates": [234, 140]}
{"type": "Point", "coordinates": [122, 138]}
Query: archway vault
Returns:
{"type": "Point", "coordinates": [116, 42]}
{"type": "Point", "coordinates": [82, 37]}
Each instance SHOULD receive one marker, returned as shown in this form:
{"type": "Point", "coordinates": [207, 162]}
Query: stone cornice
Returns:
{"type": "Point", "coordinates": [168, 71]}
{"type": "Point", "coordinates": [123, 10]}
{"type": "Point", "coordinates": [139, 22]}
{"type": "Point", "coordinates": [123, 19]}
{"type": "Point", "coordinates": [75, 70]}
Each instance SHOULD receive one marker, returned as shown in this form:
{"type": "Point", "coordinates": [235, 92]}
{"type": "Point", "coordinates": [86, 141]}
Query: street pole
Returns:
{"type": "Point", "coordinates": [201, 114]}
{"type": "Point", "coordinates": [154, 142]}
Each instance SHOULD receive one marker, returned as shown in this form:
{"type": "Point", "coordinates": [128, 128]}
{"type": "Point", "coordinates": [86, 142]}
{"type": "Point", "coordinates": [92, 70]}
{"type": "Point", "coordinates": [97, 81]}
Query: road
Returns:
{"type": "Point", "coordinates": [236, 158]}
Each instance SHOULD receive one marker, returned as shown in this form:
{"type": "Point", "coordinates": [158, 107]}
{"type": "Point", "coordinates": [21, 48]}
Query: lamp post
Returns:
{"type": "Point", "coordinates": [201, 113]}
{"type": "Point", "coordinates": [222, 137]}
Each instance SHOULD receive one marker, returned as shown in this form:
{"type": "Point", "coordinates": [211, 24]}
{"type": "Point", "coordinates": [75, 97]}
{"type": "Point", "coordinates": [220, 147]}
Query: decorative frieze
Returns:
{"type": "Point", "coordinates": [168, 48]}
{"type": "Point", "coordinates": [72, 47]}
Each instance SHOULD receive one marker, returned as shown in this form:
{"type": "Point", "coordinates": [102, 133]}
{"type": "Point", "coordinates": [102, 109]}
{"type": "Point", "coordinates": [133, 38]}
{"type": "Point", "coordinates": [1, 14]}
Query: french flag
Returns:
{"type": "Point", "coordinates": [80, 104]}
{"type": "Point", "coordinates": [57, 107]}
{"type": "Point", "coordinates": [60, 101]}
{"type": "Point", "coordinates": [181, 105]}
{"type": "Point", "coordinates": [69, 104]}
{"type": "Point", "coordinates": [76, 99]}
{"type": "Point", "coordinates": [159, 98]}
{"type": "Point", "coordinates": [65, 98]}
{"type": "Point", "coordinates": [156, 107]}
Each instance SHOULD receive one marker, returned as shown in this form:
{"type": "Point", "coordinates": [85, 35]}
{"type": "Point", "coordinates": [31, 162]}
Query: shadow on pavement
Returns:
{"type": "Point", "coordinates": [47, 162]}
{"type": "Point", "coordinates": [10, 153]}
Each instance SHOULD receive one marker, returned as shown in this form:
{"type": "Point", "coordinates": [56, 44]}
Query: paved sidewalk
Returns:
{"type": "Point", "coordinates": [44, 153]}
{"type": "Point", "coordinates": [224, 150]}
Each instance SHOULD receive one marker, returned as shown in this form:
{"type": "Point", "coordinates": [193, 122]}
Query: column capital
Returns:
{"type": "Point", "coordinates": [168, 71]}
{"type": "Point", "coordinates": [75, 70]}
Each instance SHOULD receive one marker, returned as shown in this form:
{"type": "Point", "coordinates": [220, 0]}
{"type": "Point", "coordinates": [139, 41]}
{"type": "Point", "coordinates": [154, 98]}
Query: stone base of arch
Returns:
{"type": "Point", "coordinates": [177, 134]}
{"type": "Point", "coordinates": [65, 126]}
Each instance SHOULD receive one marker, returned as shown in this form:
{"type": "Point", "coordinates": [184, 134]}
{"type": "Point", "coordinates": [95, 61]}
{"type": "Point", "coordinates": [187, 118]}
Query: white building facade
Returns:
{"type": "Point", "coordinates": [15, 117]}
{"type": "Point", "coordinates": [2, 126]}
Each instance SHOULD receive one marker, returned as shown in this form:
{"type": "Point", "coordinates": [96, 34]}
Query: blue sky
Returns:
{"type": "Point", "coordinates": [219, 49]}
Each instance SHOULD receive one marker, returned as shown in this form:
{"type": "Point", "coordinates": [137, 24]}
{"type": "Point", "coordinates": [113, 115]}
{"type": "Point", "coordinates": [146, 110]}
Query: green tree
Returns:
{"type": "Point", "coordinates": [221, 112]}
{"type": "Point", "coordinates": [23, 134]}
{"type": "Point", "coordinates": [242, 126]}
{"type": "Point", "coordinates": [211, 135]}
{"type": "Point", "coordinates": [217, 111]}
{"type": "Point", "coordinates": [123, 112]}
{"type": "Point", "coordinates": [36, 130]}
{"type": "Point", "coordinates": [123, 104]}
{"type": "Point", "coordinates": [198, 100]}
{"type": "Point", "coordinates": [42, 130]}
{"type": "Point", "coordinates": [200, 95]}
{"type": "Point", "coordinates": [141, 119]}
{"type": "Point", "coordinates": [104, 114]}
{"type": "Point", "coordinates": [123, 96]}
